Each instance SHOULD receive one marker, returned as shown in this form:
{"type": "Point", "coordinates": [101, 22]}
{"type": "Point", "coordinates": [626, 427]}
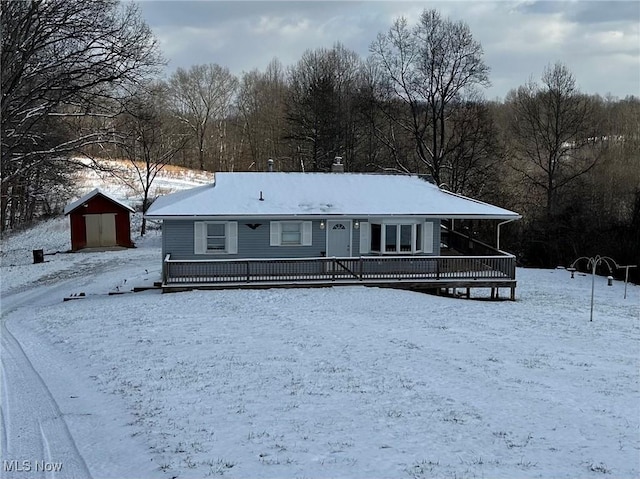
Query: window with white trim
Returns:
{"type": "Point", "coordinates": [290, 233]}
{"type": "Point", "coordinates": [215, 237]}
{"type": "Point", "coordinates": [397, 238]}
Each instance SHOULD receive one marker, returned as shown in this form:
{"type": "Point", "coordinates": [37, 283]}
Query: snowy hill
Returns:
{"type": "Point", "coordinates": [333, 382]}
{"type": "Point", "coordinates": [119, 179]}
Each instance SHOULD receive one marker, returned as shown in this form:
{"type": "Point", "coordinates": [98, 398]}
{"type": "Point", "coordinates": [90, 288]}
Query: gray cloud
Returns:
{"type": "Point", "coordinates": [586, 11]}
{"type": "Point", "coordinates": [599, 41]}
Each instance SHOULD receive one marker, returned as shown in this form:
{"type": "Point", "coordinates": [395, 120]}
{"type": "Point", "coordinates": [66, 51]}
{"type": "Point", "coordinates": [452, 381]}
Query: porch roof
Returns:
{"type": "Point", "coordinates": [320, 194]}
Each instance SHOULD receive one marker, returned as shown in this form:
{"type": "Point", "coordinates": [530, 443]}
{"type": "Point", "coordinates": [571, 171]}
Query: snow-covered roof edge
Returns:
{"type": "Point", "coordinates": [515, 216]}
{"type": "Point", "coordinates": [176, 196]}
{"type": "Point", "coordinates": [72, 206]}
{"type": "Point", "coordinates": [239, 195]}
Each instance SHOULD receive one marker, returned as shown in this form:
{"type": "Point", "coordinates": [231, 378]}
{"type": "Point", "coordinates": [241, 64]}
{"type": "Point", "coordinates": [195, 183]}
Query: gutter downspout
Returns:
{"type": "Point", "coordinates": [498, 232]}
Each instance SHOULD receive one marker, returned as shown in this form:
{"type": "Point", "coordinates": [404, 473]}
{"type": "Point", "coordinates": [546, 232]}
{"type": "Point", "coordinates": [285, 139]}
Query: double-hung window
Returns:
{"type": "Point", "coordinates": [291, 233]}
{"type": "Point", "coordinates": [215, 237]}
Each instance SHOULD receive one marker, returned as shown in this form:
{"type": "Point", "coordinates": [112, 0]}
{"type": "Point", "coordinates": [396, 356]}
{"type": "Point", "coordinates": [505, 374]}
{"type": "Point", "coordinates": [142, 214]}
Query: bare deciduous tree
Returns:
{"type": "Point", "coordinates": [63, 60]}
{"type": "Point", "coordinates": [554, 135]}
{"type": "Point", "coordinates": [202, 96]}
{"type": "Point", "coordinates": [554, 141]}
{"type": "Point", "coordinates": [429, 67]}
{"type": "Point", "coordinates": [473, 149]}
{"type": "Point", "coordinates": [320, 106]}
{"type": "Point", "coordinates": [150, 141]}
{"type": "Point", "coordinates": [261, 104]}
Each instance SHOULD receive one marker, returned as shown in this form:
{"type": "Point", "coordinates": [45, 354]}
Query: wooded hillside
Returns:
{"type": "Point", "coordinates": [82, 78]}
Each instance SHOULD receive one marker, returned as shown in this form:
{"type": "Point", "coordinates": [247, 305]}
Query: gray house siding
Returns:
{"type": "Point", "coordinates": [178, 240]}
{"type": "Point", "coordinates": [255, 243]}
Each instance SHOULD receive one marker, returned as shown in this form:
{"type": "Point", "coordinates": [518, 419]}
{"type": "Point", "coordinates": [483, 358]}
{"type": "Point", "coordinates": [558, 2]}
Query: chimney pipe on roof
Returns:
{"type": "Point", "coordinates": [337, 166]}
{"type": "Point", "coordinates": [270, 165]}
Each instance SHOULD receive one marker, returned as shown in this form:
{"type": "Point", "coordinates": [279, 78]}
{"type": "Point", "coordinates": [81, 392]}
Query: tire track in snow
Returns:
{"type": "Point", "coordinates": [36, 429]}
{"type": "Point", "coordinates": [33, 426]}
{"type": "Point", "coordinates": [4, 412]}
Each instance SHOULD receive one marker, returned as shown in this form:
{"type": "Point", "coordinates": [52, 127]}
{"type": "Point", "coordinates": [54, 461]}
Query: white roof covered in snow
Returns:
{"type": "Point", "coordinates": [320, 194]}
{"type": "Point", "coordinates": [72, 206]}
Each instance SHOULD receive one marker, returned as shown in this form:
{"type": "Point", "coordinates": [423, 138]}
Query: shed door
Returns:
{"type": "Point", "coordinates": [108, 231]}
{"type": "Point", "coordinates": [101, 230]}
{"type": "Point", "coordinates": [339, 238]}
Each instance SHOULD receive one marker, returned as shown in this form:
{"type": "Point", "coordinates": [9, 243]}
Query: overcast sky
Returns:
{"type": "Point", "coordinates": [598, 40]}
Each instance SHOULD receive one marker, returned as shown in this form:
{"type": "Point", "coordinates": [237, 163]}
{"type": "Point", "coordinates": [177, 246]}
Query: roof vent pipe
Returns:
{"type": "Point", "coordinates": [270, 165]}
{"type": "Point", "coordinates": [337, 166]}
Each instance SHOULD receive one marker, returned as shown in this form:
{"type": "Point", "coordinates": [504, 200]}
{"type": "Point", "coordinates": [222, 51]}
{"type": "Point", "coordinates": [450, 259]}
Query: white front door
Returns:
{"type": "Point", "coordinates": [339, 238]}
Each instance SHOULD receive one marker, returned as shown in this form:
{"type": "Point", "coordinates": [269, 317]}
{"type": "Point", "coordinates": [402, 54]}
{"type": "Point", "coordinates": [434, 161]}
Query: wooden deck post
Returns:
{"type": "Point", "coordinates": [333, 269]}
{"type": "Point", "coordinates": [165, 269]}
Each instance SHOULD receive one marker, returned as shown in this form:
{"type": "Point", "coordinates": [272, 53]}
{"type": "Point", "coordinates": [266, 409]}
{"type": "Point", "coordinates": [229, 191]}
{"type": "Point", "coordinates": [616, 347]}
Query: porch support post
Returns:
{"type": "Point", "coordinates": [498, 232]}
{"type": "Point", "coordinates": [165, 269]}
{"type": "Point", "coordinates": [333, 268]}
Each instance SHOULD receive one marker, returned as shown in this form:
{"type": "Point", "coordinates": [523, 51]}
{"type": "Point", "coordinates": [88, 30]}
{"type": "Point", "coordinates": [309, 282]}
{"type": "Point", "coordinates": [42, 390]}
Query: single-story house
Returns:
{"type": "Point", "coordinates": [99, 221]}
{"type": "Point", "coordinates": [342, 228]}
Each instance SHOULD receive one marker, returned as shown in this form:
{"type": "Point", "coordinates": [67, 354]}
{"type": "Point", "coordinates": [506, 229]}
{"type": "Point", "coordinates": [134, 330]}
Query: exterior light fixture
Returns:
{"type": "Point", "coordinates": [356, 224]}
{"type": "Point", "coordinates": [321, 224]}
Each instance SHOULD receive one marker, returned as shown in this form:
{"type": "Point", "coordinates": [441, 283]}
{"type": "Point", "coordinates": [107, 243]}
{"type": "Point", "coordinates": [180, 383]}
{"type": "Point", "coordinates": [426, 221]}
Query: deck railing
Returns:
{"type": "Point", "coordinates": [343, 270]}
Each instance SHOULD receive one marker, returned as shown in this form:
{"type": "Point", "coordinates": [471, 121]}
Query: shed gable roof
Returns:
{"type": "Point", "coordinates": [320, 194]}
{"type": "Point", "coordinates": [79, 202]}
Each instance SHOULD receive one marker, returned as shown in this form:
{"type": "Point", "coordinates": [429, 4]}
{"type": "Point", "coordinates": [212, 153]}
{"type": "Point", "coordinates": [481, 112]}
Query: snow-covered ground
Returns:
{"type": "Point", "coordinates": [333, 382]}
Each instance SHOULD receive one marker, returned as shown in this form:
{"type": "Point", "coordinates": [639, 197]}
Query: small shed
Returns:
{"type": "Point", "coordinates": [99, 221]}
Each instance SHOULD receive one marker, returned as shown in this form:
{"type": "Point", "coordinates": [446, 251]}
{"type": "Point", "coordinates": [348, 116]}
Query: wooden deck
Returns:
{"type": "Point", "coordinates": [412, 272]}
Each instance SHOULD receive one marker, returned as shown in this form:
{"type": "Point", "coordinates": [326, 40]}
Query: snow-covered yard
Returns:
{"type": "Point", "coordinates": [333, 382]}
